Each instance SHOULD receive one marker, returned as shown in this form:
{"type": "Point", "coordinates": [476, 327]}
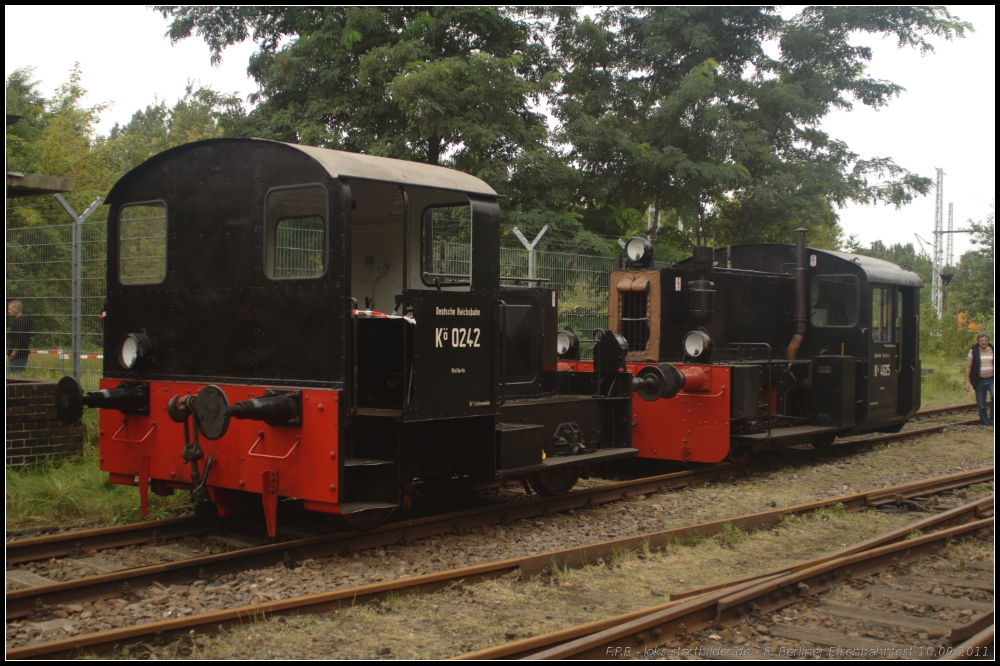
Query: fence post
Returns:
{"type": "Point", "coordinates": [532, 253]}
{"type": "Point", "coordinates": [77, 316]}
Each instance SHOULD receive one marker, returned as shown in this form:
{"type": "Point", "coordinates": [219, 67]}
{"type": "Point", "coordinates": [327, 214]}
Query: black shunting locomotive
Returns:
{"type": "Point", "coordinates": [290, 321]}
{"type": "Point", "coordinates": [772, 345]}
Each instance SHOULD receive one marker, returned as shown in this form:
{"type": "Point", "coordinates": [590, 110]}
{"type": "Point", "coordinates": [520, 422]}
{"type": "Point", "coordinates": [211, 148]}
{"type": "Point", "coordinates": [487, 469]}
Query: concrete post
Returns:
{"type": "Point", "coordinates": [77, 317]}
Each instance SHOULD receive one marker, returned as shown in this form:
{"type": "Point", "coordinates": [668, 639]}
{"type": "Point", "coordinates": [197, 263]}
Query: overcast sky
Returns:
{"type": "Point", "coordinates": [946, 118]}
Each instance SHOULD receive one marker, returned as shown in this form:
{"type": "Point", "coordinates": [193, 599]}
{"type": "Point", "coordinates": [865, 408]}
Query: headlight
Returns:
{"type": "Point", "coordinates": [135, 347]}
{"type": "Point", "coordinates": [567, 345]}
{"type": "Point", "coordinates": [639, 252]}
{"type": "Point", "coordinates": [696, 342]}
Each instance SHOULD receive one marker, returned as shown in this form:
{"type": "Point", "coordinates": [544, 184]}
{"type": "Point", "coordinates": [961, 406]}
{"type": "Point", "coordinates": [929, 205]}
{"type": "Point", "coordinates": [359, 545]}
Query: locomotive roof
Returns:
{"type": "Point", "coordinates": [348, 165]}
{"type": "Point", "coordinates": [780, 258]}
{"type": "Point", "coordinates": [877, 270]}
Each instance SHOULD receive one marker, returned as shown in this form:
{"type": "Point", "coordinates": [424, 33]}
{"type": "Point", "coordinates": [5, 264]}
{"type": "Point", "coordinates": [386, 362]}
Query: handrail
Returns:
{"type": "Point", "coordinates": [447, 276]}
{"type": "Point", "coordinates": [260, 438]}
{"type": "Point", "coordinates": [525, 279]}
{"type": "Point", "coordinates": [133, 441]}
{"type": "Point", "coordinates": [503, 352]}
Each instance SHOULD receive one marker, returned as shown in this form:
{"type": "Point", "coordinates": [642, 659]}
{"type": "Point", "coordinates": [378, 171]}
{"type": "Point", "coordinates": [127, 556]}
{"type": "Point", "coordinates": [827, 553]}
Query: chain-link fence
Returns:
{"type": "Point", "coordinates": [581, 281]}
{"type": "Point", "coordinates": [40, 250]}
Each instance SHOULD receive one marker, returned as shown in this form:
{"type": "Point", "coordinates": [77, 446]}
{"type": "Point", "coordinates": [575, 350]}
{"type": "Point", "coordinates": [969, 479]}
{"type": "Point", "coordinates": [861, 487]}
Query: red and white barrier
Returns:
{"type": "Point", "coordinates": [63, 355]}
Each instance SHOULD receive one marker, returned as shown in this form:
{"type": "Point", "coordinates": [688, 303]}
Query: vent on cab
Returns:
{"type": "Point", "coordinates": [634, 319]}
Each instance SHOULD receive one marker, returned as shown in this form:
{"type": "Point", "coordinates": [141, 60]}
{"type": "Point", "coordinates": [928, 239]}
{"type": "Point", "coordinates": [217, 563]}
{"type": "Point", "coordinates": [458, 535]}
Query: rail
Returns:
{"type": "Point", "coordinates": [66, 543]}
{"type": "Point", "coordinates": [525, 566]}
{"type": "Point", "coordinates": [726, 603]}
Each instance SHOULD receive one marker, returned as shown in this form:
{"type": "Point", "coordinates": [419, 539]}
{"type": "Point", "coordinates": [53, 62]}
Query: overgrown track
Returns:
{"type": "Point", "coordinates": [20, 551]}
{"type": "Point", "coordinates": [23, 601]}
{"type": "Point", "coordinates": [951, 409]}
{"type": "Point", "coordinates": [718, 621]}
{"type": "Point", "coordinates": [524, 567]}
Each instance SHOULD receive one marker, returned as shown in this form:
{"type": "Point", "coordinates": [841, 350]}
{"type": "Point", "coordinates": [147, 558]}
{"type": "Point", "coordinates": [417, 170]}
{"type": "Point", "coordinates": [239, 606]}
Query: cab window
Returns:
{"type": "Point", "coordinates": [883, 322]}
{"type": "Point", "coordinates": [295, 227]}
{"type": "Point", "coordinates": [446, 246]}
{"type": "Point", "coordinates": [142, 243]}
{"type": "Point", "coordinates": [833, 300]}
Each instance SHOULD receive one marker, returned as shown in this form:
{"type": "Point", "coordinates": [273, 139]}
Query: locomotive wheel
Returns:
{"type": "Point", "coordinates": [554, 482]}
{"type": "Point", "coordinates": [738, 452]}
{"type": "Point", "coordinates": [367, 520]}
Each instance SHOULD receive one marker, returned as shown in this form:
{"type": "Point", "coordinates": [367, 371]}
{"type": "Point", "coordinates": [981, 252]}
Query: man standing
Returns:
{"type": "Point", "coordinates": [979, 369]}
{"type": "Point", "coordinates": [18, 339]}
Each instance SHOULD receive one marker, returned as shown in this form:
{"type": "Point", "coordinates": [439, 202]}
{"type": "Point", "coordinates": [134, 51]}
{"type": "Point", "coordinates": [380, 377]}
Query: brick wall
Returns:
{"type": "Point", "coordinates": [34, 431]}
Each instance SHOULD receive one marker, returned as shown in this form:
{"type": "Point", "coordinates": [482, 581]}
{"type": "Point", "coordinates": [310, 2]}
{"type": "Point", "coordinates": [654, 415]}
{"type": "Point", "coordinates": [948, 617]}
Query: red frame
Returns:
{"type": "Point", "coordinates": [301, 462]}
{"type": "Point", "coordinates": [693, 426]}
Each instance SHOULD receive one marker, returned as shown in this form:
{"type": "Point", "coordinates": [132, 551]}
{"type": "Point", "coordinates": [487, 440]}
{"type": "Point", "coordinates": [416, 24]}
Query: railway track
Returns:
{"type": "Point", "coordinates": [523, 567]}
{"type": "Point", "coordinates": [874, 599]}
{"type": "Point", "coordinates": [950, 409]}
{"type": "Point", "coordinates": [82, 541]}
{"type": "Point", "coordinates": [75, 543]}
{"type": "Point", "coordinates": [115, 580]}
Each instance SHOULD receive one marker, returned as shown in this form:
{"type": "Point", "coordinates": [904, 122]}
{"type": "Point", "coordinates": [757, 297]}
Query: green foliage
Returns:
{"type": "Point", "coordinates": [945, 384]}
{"type": "Point", "coordinates": [199, 114]}
{"type": "Point", "coordinates": [788, 520]}
{"type": "Point", "coordinates": [56, 135]}
{"type": "Point", "coordinates": [559, 573]}
{"type": "Point", "coordinates": [432, 84]}
{"type": "Point", "coordinates": [971, 292]}
{"type": "Point", "coordinates": [731, 535]}
{"type": "Point", "coordinates": [74, 491]}
{"type": "Point", "coordinates": [682, 108]}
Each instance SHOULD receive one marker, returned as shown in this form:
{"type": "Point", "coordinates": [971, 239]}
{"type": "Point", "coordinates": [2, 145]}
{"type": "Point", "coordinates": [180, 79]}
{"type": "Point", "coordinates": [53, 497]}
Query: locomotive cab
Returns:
{"type": "Point", "coordinates": [780, 345]}
{"type": "Point", "coordinates": [290, 321]}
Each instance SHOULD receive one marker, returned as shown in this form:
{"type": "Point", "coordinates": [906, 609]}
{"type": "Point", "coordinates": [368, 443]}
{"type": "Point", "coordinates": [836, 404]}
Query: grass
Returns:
{"type": "Point", "coordinates": [730, 535]}
{"type": "Point", "coordinates": [74, 491]}
{"type": "Point", "coordinates": [448, 622]}
{"type": "Point", "coordinates": [946, 384]}
{"type": "Point", "coordinates": [52, 367]}
{"type": "Point", "coordinates": [788, 520]}
{"type": "Point", "coordinates": [559, 573]}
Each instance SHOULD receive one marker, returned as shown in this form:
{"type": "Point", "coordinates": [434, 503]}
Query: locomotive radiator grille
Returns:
{"type": "Point", "coordinates": [634, 319]}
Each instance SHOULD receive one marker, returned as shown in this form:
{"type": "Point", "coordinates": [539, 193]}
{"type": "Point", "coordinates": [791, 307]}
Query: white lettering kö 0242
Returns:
{"type": "Point", "coordinates": [456, 337]}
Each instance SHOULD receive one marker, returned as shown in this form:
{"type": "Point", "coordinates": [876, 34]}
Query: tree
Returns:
{"type": "Point", "coordinates": [200, 114]}
{"type": "Point", "coordinates": [457, 86]}
{"type": "Point", "coordinates": [436, 84]}
{"type": "Point", "coordinates": [972, 291]}
{"type": "Point", "coordinates": [687, 109]}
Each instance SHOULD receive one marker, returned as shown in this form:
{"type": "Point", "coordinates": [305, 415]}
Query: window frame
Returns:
{"type": "Point", "coordinates": [857, 303]}
{"type": "Point", "coordinates": [532, 375]}
{"type": "Point", "coordinates": [166, 241]}
{"type": "Point", "coordinates": [423, 245]}
{"type": "Point", "coordinates": [888, 316]}
{"type": "Point", "coordinates": [267, 231]}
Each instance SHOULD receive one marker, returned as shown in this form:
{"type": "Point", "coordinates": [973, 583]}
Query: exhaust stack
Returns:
{"type": "Point", "coordinates": [801, 304]}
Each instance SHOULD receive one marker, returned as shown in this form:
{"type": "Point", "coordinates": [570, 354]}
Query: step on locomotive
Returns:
{"type": "Point", "coordinates": [284, 321]}
{"type": "Point", "coordinates": [764, 346]}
